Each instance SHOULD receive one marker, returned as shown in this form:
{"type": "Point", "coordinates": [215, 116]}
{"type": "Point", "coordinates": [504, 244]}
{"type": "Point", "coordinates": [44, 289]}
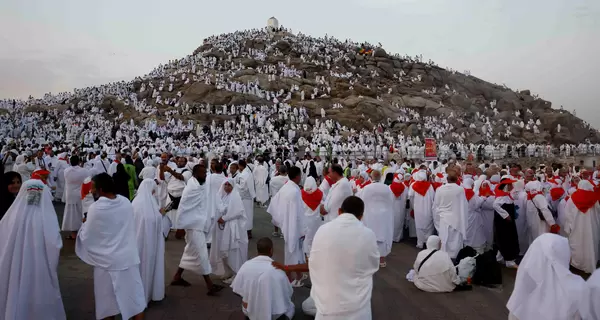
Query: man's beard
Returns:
{"type": "Point", "coordinates": [202, 181]}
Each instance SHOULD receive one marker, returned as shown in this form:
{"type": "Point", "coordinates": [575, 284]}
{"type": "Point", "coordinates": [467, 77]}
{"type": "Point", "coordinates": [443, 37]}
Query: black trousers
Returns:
{"type": "Point", "coordinates": [506, 238]}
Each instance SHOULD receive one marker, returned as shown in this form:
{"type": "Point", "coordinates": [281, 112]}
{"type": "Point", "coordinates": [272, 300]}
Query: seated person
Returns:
{"type": "Point", "coordinates": [434, 270]}
{"type": "Point", "coordinates": [266, 291]}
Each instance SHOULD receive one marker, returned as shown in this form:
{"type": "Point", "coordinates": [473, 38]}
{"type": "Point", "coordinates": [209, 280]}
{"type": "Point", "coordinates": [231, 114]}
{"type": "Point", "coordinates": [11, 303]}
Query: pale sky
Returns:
{"type": "Point", "coordinates": [551, 47]}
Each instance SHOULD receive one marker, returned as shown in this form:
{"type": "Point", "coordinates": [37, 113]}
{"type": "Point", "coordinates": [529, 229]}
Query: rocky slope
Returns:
{"type": "Point", "coordinates": [371, 88]}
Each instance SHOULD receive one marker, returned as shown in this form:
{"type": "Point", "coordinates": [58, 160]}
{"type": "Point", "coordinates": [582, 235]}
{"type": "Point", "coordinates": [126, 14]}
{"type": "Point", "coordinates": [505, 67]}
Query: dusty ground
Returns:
{"type": "Point", "coordinates": [393, 296]}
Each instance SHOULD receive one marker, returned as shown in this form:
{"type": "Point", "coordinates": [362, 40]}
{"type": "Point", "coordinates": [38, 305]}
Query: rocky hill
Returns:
{"type": "Point", "coordinates": [358, 85]}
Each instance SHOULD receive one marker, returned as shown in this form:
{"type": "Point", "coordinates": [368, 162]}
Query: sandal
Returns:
{"type": "Point", "coordinates": [180, 282]}
{"type": "Point", "coordinates": [215, 289]}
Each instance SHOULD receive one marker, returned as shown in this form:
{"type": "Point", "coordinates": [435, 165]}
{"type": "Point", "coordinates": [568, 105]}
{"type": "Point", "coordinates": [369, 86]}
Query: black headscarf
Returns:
{"type": "Point", "coordinates": [7, 198]}
{"type": "Point", "coordinates": [121, 179]}
{"type": "Point", "coordinates": [312, 170]}
{"type": "Point", "coordinates": [389, 178]}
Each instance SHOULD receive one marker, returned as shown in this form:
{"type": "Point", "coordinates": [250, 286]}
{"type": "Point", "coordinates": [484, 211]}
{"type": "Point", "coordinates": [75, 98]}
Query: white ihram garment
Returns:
{"type": "Point", "coordinates": [590, 308]}
{"type": "Point", "coordinates": [450, 209]}
{"type": "Point", "coordinates": [266, 290]}
{"type": "Point", "coordinates": [194, 217]}
{"type": "Point", "coordinates": [287, 210]}
{"type": "Point", "coordinates": [544, 287]}
{"type": "Point", "coordinates": [378, 215]}
{"type": "Point", "coordinates": [150, 241]}
{"type": "Point", "coordinates": [422, 207]}
{"type": "Point", "coordinates": [335, 197]}
{"type": "Point", "coordinates": [213, 183]}
{"type": "Point", "coordinates": [312, 218]}
{"type": "Point", "coordinates": [583, 231]}
{"type": "Point", "coordinates": [438, 273]}
{"type": "Point", "coordinates": [107, 242]}
{"type": "Point", "coordinates": [343, 293]}
{"type": "Point", "coordinates": [73, 214]}
{"type": "Point", "coordinates": [230, 241]}
{"type": "Point", "coordinates": [29, 251]}
{"type": "Point", "coordinates": [399, 208]}
{"type": "Point", "coordinates": [277, 183]}
{"type": "Point", "coordinates": [245, 185]}
{"type": "Point", "coordinates": [260, 175]}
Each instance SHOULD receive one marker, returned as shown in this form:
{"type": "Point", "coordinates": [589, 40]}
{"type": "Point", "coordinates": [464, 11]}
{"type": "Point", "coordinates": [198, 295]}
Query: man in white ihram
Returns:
{"type": "Point", "coordinates": [343, 259]}
{"type": "Point", "coordinates": [73, 214]}
{"type": "Point", "coordinates": [245, 185]}
{"type": "Point", "coordinates": [266, 292]}
{"type": "Point", "coordinates": [338, 192]}
{"type": "Point", "coordinates": [107, 242]}
{"type": "Point", "coordinates": [379, 215]}
{"type": "Point", "coordinates": [260, 175]}
{"type": "Point", "coordinates": [450, 208]}
{"type": "Point", "coordinates": [193, 218]}
{"type": "Point", "coordinates": [287, 210]}
{"type": "Point", "coordinates": [213, 183]}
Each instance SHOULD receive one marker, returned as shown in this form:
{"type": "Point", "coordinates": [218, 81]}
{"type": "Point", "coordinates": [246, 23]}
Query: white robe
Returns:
{"type": "Point", "coordinates": [378, 215]}
{"type": "Point", "coordinates": [73, 214]}
{"type": "Point", "coordinates": [399, 208]}
{"type": "Point", "coordinates": [422, 206]}
{"type": "Point", "coordinates": [544, 287]}
{"type": "Point", "coordinates": [584, 235]}
{"type": "Point", "coordinates": [229, 248]}
{"type": "Point", "coordinates": [287, 210]}
{"type": "Point", "coordinates": [591, 308]}
{"type": "Point", "coordinates": [213, 183]}
{"type": "Point", "coordinates": [29, 251]}
{"type": "Point", "coordinates": [261, 174]}
{"type": "Point", "coordinates": [277, 183]}
{"type": "Point", "coordinates": [194, 218]}
{"type": "Point", "coordinates": [537, 227]}
{"type": "Point", "coordinates": [450, 210]}
{"type": "Point", "coordinates": [335, 197]}
{"type": "Point", "coordinates": [437, 274]}
{"type": "Point", "coordinates": [107, 242]}
{"type": "Point", "coordinates": [343, 293]}
{"type": "Point", "coordinates": [245, 185]}
{"type": "Point", "coordinates": [150, 241]}
{"type": "Point", "coordinates": [313, 222]}
{"type": "Point", "coordinates": [266, 290]}
{"type": "Point", "coordinates": [475, 237]}
{"type": "Point", "coordinates": [59, 193]}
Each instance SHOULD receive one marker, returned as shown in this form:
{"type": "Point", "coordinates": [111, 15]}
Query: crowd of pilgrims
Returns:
{"type": "Point", "coordinates": [85, 120]}
{"type": "Point", "coordinates": [127, 186]}
{"type": "Point", "coordinates": [120, 212]}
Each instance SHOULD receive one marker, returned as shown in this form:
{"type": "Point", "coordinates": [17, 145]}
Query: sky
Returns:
{"type": "Point", "coordinates": [550, 47]}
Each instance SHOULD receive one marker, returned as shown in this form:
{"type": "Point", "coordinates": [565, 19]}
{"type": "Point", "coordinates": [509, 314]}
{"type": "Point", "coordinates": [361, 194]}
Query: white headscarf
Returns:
{"type": "Point", "coordinates": [545, 288]}
{"type": "Point", "coordinates": [232, 200]}
{"type": "Point", "coordinates": [468, 183]}
{"type": "Point", "coordinates": [148, 163]}
{"type": "Point", "coordinates": [420, 176]}
{"type": "Point", "coordinates": [30, 245]}
{"type": "Point", "coordinates": [232, 205]}
{"type": "Point", "coordinates": [434, 243]}
{"type": "Point", "coordinates": [533, 186]}
{"type": "Point", "coordinates": [591, 308]}
{"type": "Point", "coordinates": [310, 185]}
{"type": "Point", "coordinates": [145, 201]}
